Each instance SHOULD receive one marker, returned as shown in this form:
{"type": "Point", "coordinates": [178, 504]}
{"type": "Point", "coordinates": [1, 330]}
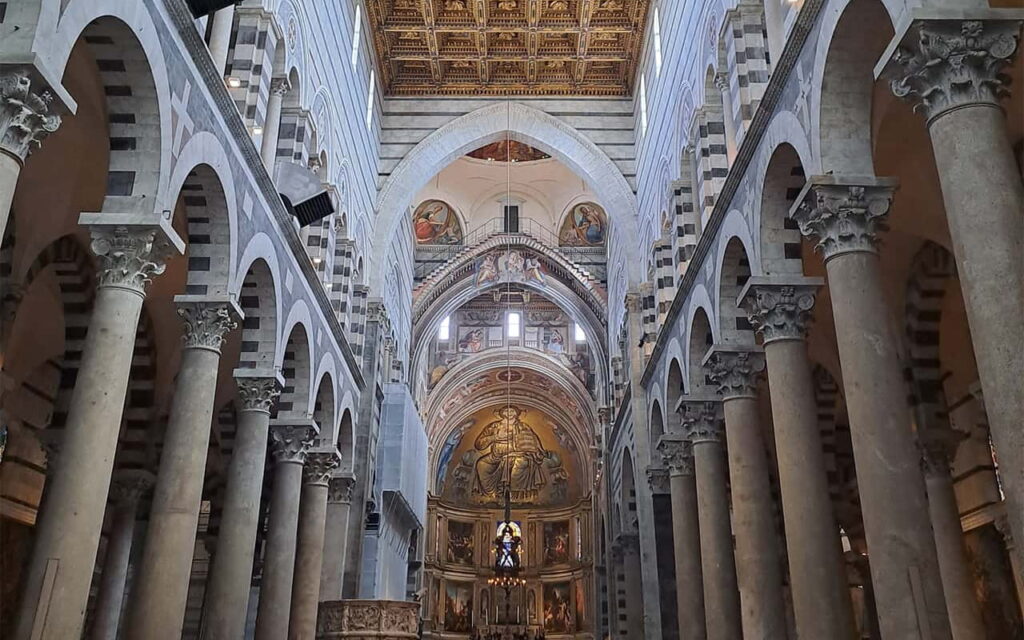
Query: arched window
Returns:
{"type": "Point", "coordinates": [369, 98]}
{"type": "Point", "coordinates": [657, 42]}
{"type": "Point", "coordinates": [643, 105]}
{"type": "Point", "coordinates": [357, 32]}
{"type": "Point", "coordinates": [444, 331]}
{"type": "Point", "coordinates": [514, 320]}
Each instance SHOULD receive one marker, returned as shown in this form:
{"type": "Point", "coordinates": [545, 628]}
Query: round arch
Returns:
{"type": "Point", "coordinates": [490, 124]}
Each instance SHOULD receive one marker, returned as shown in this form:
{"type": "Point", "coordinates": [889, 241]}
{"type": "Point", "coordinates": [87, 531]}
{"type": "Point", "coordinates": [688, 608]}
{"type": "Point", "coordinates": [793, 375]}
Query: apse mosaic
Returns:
{"type": "Point", "coordinates": [558, 613]}
{"type": "Point", "coordinates": [435, 222]}
{"type": "Point", "coordinates": [585, 225]}
{"type": "Point", "coordinates": [509, 266]}
{"type": "Point", "coordinates": [506, 448]}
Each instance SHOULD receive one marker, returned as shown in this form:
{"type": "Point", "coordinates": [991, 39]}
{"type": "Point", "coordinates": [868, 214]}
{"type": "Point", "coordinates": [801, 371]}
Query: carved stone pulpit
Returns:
{"type": "Point", "coordinates": [367, 619]}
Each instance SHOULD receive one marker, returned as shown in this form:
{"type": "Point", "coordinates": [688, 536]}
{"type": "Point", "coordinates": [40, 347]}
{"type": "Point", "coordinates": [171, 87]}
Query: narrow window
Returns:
{"type": "Point", "coordinates": [444, 331]}
{"type": "Point", "coordinates": [357, 32]}
{"type": "Point", "coordinates": [369, 99]}
{"type": "Point", "coordinates": [513, 324]}
{"type": "Point", "coordinates": [643, 105]}
{"type": "Point", "coordinates": [657, 42]}
{"type": "Point", "coordinates": [580, 335]}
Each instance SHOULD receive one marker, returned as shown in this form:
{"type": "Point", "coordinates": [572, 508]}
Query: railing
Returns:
{"type": "Point", "coordinates": [425, 264]}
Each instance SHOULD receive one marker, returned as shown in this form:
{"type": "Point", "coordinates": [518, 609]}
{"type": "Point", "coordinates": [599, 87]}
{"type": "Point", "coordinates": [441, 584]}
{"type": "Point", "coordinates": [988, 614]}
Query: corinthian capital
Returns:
{"type": "Point", "coordinates": [129, 256]}
{"type": "Point", "coordinates": [735, 370]}
{"type": "Point", "coordinates": [702, 420]}
{"type": "Point", "coordinates": [945, 63]}
{"type": "Point", "coordinates": [320, 464]}
{"type": "Point", "coordinates": [292, 442]}
{"type": "Point", "coordinates": [258, 390]}
{"type": "Point", "coordinates": [207, 321]}
{"type": "Point", "coordinates": [779, 310]}
{"type": "Point", "coordinates": [938, 448]}
{"type": "Point", "coordinates": [677, 455]}
{"type": "Point", "coordinates": [845, 214]}
{"type": "Point", "coordinates": [339, 488]}
{"type": "Point", "coordinates": [25, 118]}
{"type": "Point", "coordinates": [128, 486]}
{"type": "Point", "coordinates": [279, 86]}
{"type": "Point", "coordinates": [634, 302]}
{"type": "Point", "coordinates": [657, 480]}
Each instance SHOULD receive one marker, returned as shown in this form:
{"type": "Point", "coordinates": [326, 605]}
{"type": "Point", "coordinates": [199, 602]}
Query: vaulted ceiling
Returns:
{"type": "Point", "coordinates": [508, 47]}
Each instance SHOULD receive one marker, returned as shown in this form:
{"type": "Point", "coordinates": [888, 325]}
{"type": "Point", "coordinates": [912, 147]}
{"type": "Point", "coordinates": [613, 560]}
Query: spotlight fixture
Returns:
{"type": "Point", "coordinates": [233, 82]}
{"type": "Point", "coordinates": [257, 130]}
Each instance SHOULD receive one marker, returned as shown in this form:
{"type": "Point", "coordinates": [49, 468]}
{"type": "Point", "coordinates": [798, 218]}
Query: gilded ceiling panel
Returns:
{"type": "Point", "coordinates": [508, 47]}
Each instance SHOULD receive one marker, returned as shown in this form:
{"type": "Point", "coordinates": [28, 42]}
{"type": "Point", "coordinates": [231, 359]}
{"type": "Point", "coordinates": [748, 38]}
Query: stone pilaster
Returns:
{"type": "Point", "coordinates": [703, 426]}
{"type": "Point", "coordinates": [844, 214]}
{"type": "Point", "coordinates": [735, 370]}
{"type": "Point", "coordinates": [161, 588]}
{"type": "Point", "coordinates": [320, 464]}
{"type": "Point", "coordinates": [227, 591]}
{"type": "Point", "coordinates": [950, 64]}
{"type": "Point", "coordinates": [60, 572]}
{"type": "Point", "coordinates": [780, 309]}
{"type": "Point", "coordinates": [290, 444]}
{"type": "Point", "coordinates": [677, 456]}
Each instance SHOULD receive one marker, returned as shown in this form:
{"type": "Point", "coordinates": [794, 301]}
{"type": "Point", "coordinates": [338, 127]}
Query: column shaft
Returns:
{"type": "Point", "coordinates": [161, 589]}
{"type": "Point", "coordinates": [984, 197]}
{"type": "Point", "coordinates": [689, 578]}
{"type": "Point", "coordinates": [721, 593]}
{"type": "Point", "coordinates": [957, 580]}
{"type": "Point", "coordinates": [904, 565]}
{"type": "Point", "coordinates": [107, 614]}
{"type": "Point", "coordinates": [220, 37]}
{"type": "Point", "coordinates": [271, 129]}
{"type": "Point", "coordinates": [10, 169]}
{"type": "Point", "coordinates": [820, 600]}
{"type": "Point", "coordinates": [57, 585]}
{"type": "Point", "coordinates": [273, 615]}
{"type": "Point", "coordinates": [227, 592]}
{"type": "Point", "coordinates": [308, 561]}
{"type": "Point", "coordinates": [336, 538]}
{"type": "Point", "coordinates": [758, 561]}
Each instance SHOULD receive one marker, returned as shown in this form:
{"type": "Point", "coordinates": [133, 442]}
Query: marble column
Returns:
{"type": "Point", "coordinates": [779, 310]}
{"type": "Point", "coordinates": [220, 37]}
{"type": "Point", "coordinates": [60, 572]}
{"type": "Point", "coordinates": [951, 67]}
{"type": "Point", "coordinates": [230, 578]}
{"type": "Point", "coordinates": [702, 424]}
{"type": "Point", "coordinates": [161, 589]}
{"type": "Point", "coordinates": [677, 455]}
{"type": "Point", "coordinates": [309, 552]}
{"type": "Point", "coordinates": [845, 215]}
{"type": "Point", "coordinates": [126, 490]}
{"type": "Point", "coordinates": [289, 444]}
{"type": "Point", "coordinates": [339, 503]}
{"type": "Point", "coordinates": [731, 134]}
{"type": "Point", "coordinates": [272, 125]}
{"type": "Point", "coordinates": [938, 447]}
{"type": "Point", "coordinates": [1003, 527]}
{"type": "Point", "coordinates": [735, 370]}
{"type": "Point", "coordinates": [25, 121]}
{"type": "Point", "coordinates": [627, 546]}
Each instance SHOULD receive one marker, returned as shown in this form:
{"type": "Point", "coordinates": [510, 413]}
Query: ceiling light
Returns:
{"type": "Point", "coordinates": [257, 130]}
{"type": "Point", "coordinates": [234, 82]}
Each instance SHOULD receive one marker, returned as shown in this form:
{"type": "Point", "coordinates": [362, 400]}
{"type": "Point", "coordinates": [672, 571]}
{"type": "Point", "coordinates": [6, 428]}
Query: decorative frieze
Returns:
{"type": "Point", "coordinates": [258, 393]}
{"type": "Point", "coordinates": [735, 371]}
{"type": "Point", "coordinates": [845, 215]}
{"type": "Point", "coordinates": [385, 619]}
{"type": "Point", "coordinates": [779, 311]}
{"type": "Point", "coordinates": [129, 257]}
{"type": "Point", "coordinates": [291, 443]}
{"type": "Point", "coordinates": [207, 322]}
{"type": "Point", "coordinates": [942, 65]}
{"type": "Point", "coordinates": [320, 464]}
{"type": "Point", "coordinates": [25, 118]}
{"type": "Point", "coordinates": [677, 455]}
{"type": "Point", "coordinates": [702, 421]}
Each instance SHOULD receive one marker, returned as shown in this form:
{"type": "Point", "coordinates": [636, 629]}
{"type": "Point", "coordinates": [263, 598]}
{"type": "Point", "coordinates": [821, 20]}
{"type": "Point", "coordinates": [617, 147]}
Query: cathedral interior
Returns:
{"type": "Point", "coordinates": [511, 319]}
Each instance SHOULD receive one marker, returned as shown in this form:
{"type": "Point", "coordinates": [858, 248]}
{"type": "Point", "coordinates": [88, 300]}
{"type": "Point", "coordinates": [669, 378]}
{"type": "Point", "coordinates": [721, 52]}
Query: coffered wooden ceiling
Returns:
{"type": "Point", "coordinates": [508, 47]}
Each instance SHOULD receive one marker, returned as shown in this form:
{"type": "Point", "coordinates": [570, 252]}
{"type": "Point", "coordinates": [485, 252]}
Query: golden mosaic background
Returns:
{"type": "Point", "coordinates": [508, 47]}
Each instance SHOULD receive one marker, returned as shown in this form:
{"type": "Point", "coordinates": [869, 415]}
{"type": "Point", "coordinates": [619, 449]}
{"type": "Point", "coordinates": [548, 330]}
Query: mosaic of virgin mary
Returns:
{"type": "Point", "coordinates": [584, 226]}
{"type": "Point", "coordinates": [435, 222]}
